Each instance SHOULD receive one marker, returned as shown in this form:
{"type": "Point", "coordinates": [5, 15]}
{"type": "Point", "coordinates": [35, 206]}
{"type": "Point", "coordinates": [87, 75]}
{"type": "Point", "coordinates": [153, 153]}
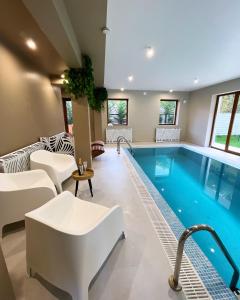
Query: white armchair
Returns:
{"type": "Point", "coordinates": [58, 166]}
{"type": "Point", "coordinates": [76, 238]}
{"type": "Point", "coordinates": [22, 192]}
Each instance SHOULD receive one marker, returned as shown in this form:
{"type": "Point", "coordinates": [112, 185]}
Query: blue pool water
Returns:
{"type": "Point", "coordinates": [200, 190]}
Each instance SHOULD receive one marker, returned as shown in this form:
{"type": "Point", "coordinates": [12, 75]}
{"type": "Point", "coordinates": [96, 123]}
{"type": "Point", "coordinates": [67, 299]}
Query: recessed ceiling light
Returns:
{"type": "Point", "coordinates": [184, 101]}
{"type": "Point", "coordinates": [170, 91]}
{"type": "Point", "coordinates": [130, 78]}
{"type": "Point", "coordinates": [31, 44]}
{"type": "Point", "coordinates": [150, 52]}
{"type": "Point", "coordinates": [144, 93]}
{"type": "Point", "coordinates": [122, 89]}
{"type": "Point", "coordinates": [62, 75]}
{"type": "Point", "coordinates": [196, 81]}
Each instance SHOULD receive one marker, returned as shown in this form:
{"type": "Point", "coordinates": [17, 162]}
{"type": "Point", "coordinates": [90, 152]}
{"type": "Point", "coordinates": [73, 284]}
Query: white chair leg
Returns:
{"type": "Point", "coordinates": [80, 294]}
{"type": "Point", "coordinates": [29, 272]}
{"type": "Point", "coordinates": [59, 188]}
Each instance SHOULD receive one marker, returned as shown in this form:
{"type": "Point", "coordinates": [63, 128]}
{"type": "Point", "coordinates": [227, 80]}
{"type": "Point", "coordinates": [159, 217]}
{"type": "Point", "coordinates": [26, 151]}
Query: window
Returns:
{"type": "Point", "coordinates": [117, 111]}
{"type": "Point", "coordinates": [68, 118]}
{"type": "Point", "coordinates": [226, 123]}
{"type": "Point", "coordinates": [168, 112]}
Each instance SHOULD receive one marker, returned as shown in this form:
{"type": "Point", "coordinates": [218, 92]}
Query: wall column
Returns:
{"type": "Point", "coordinates": [82, 130]}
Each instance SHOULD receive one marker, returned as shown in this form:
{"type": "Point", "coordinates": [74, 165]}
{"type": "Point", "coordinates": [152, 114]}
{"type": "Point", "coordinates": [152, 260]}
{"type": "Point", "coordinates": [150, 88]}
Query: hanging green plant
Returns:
{"type": "Point", "coordinates": [80, 81]}
{"type": "Point", "coordinates": [100, 95]}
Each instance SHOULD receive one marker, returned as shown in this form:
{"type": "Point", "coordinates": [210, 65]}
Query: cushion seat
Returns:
{"type": "Point", "coordinates": [22, 192]}
{"type": "Point", "coordinates": [58, 166]}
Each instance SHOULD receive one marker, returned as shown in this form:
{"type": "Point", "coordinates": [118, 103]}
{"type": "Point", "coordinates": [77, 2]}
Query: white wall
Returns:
{"type": "Point", "coordinates": [201, 108]}
{"type": "Point", "coordinates": [143, 112]}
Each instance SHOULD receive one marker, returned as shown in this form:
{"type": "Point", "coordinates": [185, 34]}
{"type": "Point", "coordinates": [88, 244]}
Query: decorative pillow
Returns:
{"type": "Point", "coordinates": [49, 143]}
{"type": "Point", "coordinates": [19, 160]}
{"type": "Point", "coordinates": [62, 143]}
{"type": "Point", "coordinates": [65, 145]}
{"type": "Point", "coordinates": [100, 143]}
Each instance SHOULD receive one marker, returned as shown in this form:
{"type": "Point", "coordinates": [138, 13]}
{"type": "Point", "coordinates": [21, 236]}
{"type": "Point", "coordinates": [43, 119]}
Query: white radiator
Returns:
{"type": "Point", "coordinates": [167, 135]}
{"type": "Point", "coordinates": [113, 133]}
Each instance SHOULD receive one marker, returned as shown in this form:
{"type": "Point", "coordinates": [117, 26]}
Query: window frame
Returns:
{"type": "Point", "coordinates": [175, 115]}
{"type": "Point", "coordinates": [118, 99]}
{"type": "Point", "coordinates": [230, 127]}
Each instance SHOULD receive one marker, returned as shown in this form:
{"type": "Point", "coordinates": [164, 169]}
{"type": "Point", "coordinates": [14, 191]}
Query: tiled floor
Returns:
{"type": "Point", "coordinates": [137, 269]}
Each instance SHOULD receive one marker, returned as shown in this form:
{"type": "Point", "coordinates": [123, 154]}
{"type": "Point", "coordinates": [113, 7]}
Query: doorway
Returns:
{"type": "Point", "coordinates": [68, 115]}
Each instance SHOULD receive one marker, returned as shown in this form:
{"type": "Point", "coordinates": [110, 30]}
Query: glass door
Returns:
{"type": "Point", "coordinates": [226, 125]}
{"type": "Point", "coordinates": [223, 112]}
{"type": "Point", "coordinates": [234, 141]}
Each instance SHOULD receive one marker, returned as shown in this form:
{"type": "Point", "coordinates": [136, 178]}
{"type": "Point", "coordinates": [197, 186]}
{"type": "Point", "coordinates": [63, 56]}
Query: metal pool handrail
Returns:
{"type": "Point", "coordinates": [174, 279]}
{"type": "Point", "coordinates": [122, 138]}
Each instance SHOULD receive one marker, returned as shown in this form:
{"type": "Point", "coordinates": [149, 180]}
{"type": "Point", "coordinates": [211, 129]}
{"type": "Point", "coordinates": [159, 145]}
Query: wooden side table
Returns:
{"type": "Point", "coordinates": [87, 175]}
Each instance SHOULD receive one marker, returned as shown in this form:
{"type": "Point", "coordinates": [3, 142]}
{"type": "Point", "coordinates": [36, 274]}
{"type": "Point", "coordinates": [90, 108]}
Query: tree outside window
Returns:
{"type": "Point", "coordinates": [168, 111]}
{"type": "Point", "coordinates": [118, 111]}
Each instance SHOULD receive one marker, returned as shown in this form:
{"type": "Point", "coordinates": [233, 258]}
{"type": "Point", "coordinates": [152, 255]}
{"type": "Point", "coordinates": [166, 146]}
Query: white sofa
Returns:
{"type": "Point", "coordinates": [22, 192]}
{"type": "Point", "coordinates": [76, 238]}
{"type": "Point", "coordinates": [58, 166]}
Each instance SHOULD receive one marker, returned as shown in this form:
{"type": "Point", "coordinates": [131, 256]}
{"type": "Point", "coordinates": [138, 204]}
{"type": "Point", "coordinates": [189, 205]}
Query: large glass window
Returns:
{"type": "Point", "coordinates": [168, 112]}
{"type": "Point", "coordinates": [226, 124]}
{"type": "Point", "coordinates": [117, 111]}
{"type": "Point", "coordinates": [234, 142]}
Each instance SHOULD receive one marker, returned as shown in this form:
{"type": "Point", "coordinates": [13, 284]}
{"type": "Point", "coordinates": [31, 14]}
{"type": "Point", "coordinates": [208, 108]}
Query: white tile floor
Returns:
{"type": "Point", "coordinates": [137, 269]}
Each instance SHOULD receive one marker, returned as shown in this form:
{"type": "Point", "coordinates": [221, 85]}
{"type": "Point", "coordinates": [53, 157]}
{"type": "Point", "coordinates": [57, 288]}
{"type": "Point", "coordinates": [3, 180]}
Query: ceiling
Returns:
{"type": "Point", "coordinates": [74, 28]}
{"type": "Point", "coordinates": [192, 39]}
{"type": "Point", "coordinates": [16, 25]}
{"type": "Point", "coordinates": [87, 18]}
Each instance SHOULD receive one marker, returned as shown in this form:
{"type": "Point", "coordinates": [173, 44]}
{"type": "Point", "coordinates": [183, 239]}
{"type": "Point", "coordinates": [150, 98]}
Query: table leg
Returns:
{"type": "Point", "coordinates": [90, 186]}
{"type": "Point", "coordinates": [76, 189]}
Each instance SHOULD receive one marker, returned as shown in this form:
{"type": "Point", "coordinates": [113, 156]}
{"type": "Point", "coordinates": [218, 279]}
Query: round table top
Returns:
{"type": "Point", "coordinates": [89, 173]}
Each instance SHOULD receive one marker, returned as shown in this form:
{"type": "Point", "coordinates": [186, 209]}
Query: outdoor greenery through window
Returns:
{"type": "Point", "coordinates": [226, 125]}
{"type": "Point", "coordinates": [118, 111]}
{"type": "Point", "coordinates": [68, 116]}
{"type": "Point", "coordinates": [168, 111]}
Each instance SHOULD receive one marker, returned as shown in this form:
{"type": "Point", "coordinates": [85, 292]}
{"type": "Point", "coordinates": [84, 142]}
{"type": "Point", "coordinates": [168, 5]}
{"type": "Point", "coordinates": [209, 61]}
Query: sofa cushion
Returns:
{"type": "Point", "coordinates": [19, 160]}
{"type": "Point", "coordinates": [62, 143]}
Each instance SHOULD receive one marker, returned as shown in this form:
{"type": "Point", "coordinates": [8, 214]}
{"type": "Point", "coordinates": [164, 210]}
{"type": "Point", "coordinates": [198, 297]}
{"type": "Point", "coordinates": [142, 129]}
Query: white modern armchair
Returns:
{"type": "Point", "coordinates": [76, 238]}
{"type": "Point", "coordinates": [22, 192]}
{"type": "Point", "coordinates": [58, 166]}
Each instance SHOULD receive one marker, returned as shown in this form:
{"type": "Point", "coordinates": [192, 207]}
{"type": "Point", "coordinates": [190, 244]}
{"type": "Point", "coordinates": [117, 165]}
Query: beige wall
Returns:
{"type": "Point", "coordinates": [29, 106]}
{"type": "Point", "coordinates": [201, 110]}
{"type": "Point", "coordinates": [143, 112]}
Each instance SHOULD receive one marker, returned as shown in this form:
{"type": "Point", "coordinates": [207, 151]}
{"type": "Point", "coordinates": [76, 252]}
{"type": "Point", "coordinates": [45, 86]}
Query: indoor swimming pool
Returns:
{"type": "Point", "coordinates": [199, 190]}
